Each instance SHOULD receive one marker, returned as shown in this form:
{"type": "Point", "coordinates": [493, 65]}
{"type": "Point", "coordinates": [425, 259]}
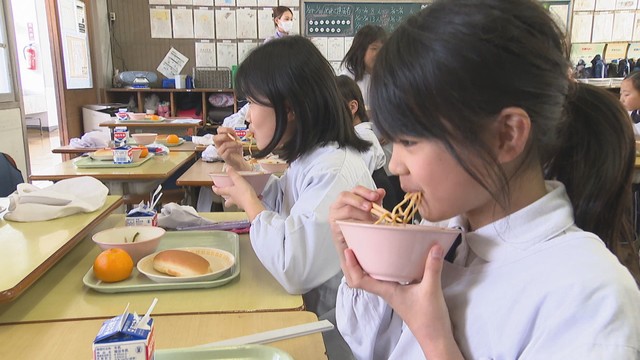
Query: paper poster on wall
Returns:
{"type": "Point", "coordinates": [225, 2]}
{"type": "Point", "coordinates": [623, 25]}
{"type": "Point", "coordinates": [227, 54]}
{"type": "Point", "coordinates": [159, 2]}
{"type": "Point", "coordinates": [321, 44]}
{"type": "Point", "coordinates": [585, 52]}
{"type": "Point", "coordinates": [160, 21]}
{"type": "Point", "coordinates": [206, 54]}
{"type": "Point", "coordinates": [226, 23]}
{"type": "Point", "coordinates": [182, 23]}
{"type": "Point", "coordinates": [636, 27]}
{"type": "Point", "coordinates": [246, 3]}
{"type": "Point", "coordinates": [203, 24]}
{"type": "Point", "coordinates": [560, 14]}
{"type": "Point", "coordinates": [172, 63]}
{"type": "Point", "coordinates": [634, 51]}
{"type": "Point", "coordinates": [271, 3]}
{"type": "Point", "coordinates": [335, 48]}
{"type": "Point", "coordinates": [347, 43]}
{"type": "Point", "coordinates": [602, 27]}
{"type": "Point", "coordinates": [602, 5]}
{"type": "Point", "coordinates": [296, 22]}
{"type": "Point", "coordinates": [616, 51]}
{"type": "Point", "coordinates": [584, 5]}
{"type": "Point", "coordinates": [626, 4]}
{"type": "Point", "coordinates": [290, 3]}
{"type": "Point", "coordinates": [182, 2]}
{"type": "Point", "coordinates": [581, 27]}
{"type": "Point", "coordinates": [202, 2]}
{"type": "Point", "coordinates": [266, 27]}
{"type": "Point", "coordinates": [247, 23]}
{"type": "Point", "coordinates": [244, 48]}
{"type": "Point", "coordinates": [75, 44]}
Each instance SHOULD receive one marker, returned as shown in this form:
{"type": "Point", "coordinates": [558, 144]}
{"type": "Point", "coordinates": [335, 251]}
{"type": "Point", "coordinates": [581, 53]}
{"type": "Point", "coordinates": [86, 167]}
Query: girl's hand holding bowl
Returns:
{"type": "Point", "coordinates": [242, 193]}
{"type": "Point", "coordinates": [229, 148]}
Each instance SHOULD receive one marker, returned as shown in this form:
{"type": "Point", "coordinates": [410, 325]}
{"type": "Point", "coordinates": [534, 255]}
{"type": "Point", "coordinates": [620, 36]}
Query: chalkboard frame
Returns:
{"type": "Point", "coordinates": [341, 19]}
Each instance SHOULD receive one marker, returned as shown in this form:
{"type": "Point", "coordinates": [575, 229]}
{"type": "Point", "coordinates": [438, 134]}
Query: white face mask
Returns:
{"type": "Point", "coordinates": [286, 26]}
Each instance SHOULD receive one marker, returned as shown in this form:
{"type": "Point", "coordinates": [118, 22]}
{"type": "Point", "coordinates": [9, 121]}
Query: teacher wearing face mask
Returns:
{"type": "Point", "coordinates": [283, 21]}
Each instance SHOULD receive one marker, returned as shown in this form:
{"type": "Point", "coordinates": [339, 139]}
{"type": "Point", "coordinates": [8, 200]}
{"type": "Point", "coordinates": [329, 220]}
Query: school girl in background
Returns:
{"type": "Point", "coordinates": [283, 21]}
{"type": "Point", "coordinates": [487, 113]}
{"type": "Point", "coordinates": [295, 111]}
{"type": "Point", "coordinates": [630, 98]}
{"type": "Point", "coordinates": [375, 158]}
{"type": "Point", "coordinates": [358, 61]}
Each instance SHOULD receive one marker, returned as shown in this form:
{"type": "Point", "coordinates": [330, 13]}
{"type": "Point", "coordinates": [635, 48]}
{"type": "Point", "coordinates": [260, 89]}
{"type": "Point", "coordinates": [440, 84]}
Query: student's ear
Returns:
{"type": "Point", "coordinates": [513, 130]}
{"type": "Point", "coordinates": [353, 107]}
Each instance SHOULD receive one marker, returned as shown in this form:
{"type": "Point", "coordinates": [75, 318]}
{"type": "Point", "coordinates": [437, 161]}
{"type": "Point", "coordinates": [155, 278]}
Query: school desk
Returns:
{"type": "Point", "coordinates": [29, 249]}
{"type": "Point", "coordinates": [61, 295]}
{"type": "Point", "coordinates": [124, 180]}
{"type": "Point", "coordinates": [198, 173]}
{"type": "Point", "coordinates": [73, 339]}
{"type": "Point", "coordinates": [178, 126]}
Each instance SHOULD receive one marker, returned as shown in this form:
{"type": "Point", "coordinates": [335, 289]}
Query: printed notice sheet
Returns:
{"type": "Point", "coordinates": [202, 2]}
{"type": "Point", "coordinates": [623, 25]}
{"type": "Point", "coordinates": [266, 27]}
{"type": "Point", "coordinates": [335, 48]}
{"type": "Point", "coordinates": [160, 21]}
{"type": "Point", "coordinates": [159, 2]}
{"type": "Point", "coordinates": [182, 23]}
{"type": "Point", "coordinates": [244, 48]}
{"type": "Point", "coordinates": [203, 24]}
{"type": "Point", "coordinates": [321, 44]}
{"type": "Point", "coordinates": [182, 2]}
{"type": "Point", "coordinates": [226, 23]}
{"type": "Point", "coordinates": [227, 54]}
{"type": "Point", "coordinates": [605, 5]}
{"type": "Point", "coordinates": [247, 3]}
{"type": "Point", "coordinates": [172, 63]}
{"type": "Point", "coordinates": [581, 27]}
{"type": "Point", "coordinates": [602, 27]}
{"type": "Point", "coordinates": [584, 5]}
{"type": "Point", "coordinates": [626, 4]}
{"type": "Point", "coordinates": [636, 28]}
{"type": "Point", "coordinates": [247, 23]}
{"type": "Point", "coordinates": [206, 54]}
{"type": "Point", "coordinates": [225, 2]}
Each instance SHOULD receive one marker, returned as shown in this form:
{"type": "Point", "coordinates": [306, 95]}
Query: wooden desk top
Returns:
{"type": "Point", "coordinates": [158, 168]}
{"type": "Point", "coordinates": [170, 122]}
{"type": "Point", "coordinates": [198, 174]}
{"type": "Point", "coordinates": [73, 339]}
{"type": "Point", "coordinates": [68, 149]}
{"type": "Point", "coordinates": [30, 249]}
{"type": "Point", "coordinates": [61, 295]}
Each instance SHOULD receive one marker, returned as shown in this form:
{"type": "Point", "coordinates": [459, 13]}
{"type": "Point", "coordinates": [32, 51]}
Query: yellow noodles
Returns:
{"type": "Point", "coordinates": [398, 215]}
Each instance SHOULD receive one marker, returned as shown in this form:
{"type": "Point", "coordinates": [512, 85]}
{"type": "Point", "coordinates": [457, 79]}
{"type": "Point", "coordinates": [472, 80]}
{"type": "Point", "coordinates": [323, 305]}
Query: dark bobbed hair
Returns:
{"type": "Point", "coordinates": [354, 58]}
{"type": "Point", "coordinates": [350, 90]}
{"type": "Point", "coordinates": [291, 74]}
{"type": "Point", "coordinates": [450, 70]}
{"type": "Point", "coordinates": [278, 11]}
{"type": "Point", "coordinates": [634, 76]}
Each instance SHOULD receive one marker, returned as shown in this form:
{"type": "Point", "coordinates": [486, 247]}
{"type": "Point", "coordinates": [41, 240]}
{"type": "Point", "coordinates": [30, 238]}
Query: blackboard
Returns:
{"type": "Point", "coordinates": [345, 19]}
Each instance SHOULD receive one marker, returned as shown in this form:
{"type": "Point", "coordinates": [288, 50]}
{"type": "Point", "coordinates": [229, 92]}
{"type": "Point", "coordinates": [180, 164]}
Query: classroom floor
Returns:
{"type": "Point", "coordinates": [40, 155]}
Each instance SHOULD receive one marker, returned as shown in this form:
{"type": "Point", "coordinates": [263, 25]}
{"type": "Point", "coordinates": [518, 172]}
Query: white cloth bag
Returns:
{"type": "Point", "coordinates": [66, 197]}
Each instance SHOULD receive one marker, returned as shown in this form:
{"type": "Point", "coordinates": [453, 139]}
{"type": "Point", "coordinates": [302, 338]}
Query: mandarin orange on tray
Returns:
{"type": "Point", "coordinates": [113, 265]}
{"type": "Point", "coordinates": [173, 139]}
{"type": "Point", "coordinates": [144, 152]}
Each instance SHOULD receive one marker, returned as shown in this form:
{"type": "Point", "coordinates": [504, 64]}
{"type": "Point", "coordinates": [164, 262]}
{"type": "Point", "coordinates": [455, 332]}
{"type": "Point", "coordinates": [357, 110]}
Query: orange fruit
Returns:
{"type": "Point", "coordinates": [113, 265]}
{"type": "Point", "coordinates": [173, 139]}
{"type": "Point", "coordinates": [144, 152]}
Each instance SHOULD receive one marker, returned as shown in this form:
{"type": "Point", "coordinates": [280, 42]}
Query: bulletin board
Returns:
{"type": "Point", "coordinates": [327, 19]}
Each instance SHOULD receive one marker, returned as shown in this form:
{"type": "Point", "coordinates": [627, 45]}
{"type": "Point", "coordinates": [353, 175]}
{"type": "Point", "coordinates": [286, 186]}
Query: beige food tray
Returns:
{"type": "Point", "coordinates": [223, 240]}
{"type": "Point", "coordinates": [88, 162]}
{"type": "Point", "coordinates": [248, 352]}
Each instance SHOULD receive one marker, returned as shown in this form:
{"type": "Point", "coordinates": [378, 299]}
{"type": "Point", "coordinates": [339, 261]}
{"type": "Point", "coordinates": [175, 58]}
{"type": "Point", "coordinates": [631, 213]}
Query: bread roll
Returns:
{"type": "Point", "coordinates": [180, 263]}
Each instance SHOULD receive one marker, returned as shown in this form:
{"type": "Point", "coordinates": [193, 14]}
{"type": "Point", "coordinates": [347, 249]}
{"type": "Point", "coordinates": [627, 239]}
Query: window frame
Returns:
{"type": "Point", "coordinates": [10, 96]}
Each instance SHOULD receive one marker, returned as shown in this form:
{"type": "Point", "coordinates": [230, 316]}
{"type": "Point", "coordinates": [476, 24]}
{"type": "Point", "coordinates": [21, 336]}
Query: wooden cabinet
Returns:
{"type": "Point", "coordinates": [175, 97]}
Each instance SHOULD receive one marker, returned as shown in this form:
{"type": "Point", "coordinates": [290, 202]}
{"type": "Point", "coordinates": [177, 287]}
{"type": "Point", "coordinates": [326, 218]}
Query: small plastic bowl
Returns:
{"type": "Point", "coordinates": [136, 116]}
{"type": "Point", "coordinates": [146, 242]}
{"type": "Point", "coordinates": [394, 252]}
{"type": "Point", "coordinates": [144, 138]}
{"type": "Point", "coordinates": [257, 179]}
{"type": "Point", "coordinates": [273, 165]}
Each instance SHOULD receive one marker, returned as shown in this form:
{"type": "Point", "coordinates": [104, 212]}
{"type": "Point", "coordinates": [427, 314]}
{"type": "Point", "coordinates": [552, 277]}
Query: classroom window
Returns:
{"type": "Point", "coordinates": [6, 85]}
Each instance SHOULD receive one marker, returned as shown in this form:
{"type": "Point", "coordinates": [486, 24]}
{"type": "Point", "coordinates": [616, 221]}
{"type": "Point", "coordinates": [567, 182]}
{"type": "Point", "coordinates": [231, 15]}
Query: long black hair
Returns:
{"type": "Point", "coordinates": [291, 75]}
{"type": "Point", "coordinates": [450, 70]}
{"type": "Point", "coordinates": [350, 91]}
{"type": "Point", "coordinates": [354, 58]}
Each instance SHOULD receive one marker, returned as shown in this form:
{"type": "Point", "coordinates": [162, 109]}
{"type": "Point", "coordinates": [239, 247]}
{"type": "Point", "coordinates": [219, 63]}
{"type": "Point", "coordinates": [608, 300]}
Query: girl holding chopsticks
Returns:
{"type": "Point", "coordinates": [534, 167]}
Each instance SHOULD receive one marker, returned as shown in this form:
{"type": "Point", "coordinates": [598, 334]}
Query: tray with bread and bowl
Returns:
{"type": "Point", "coordinates": [182, 260]}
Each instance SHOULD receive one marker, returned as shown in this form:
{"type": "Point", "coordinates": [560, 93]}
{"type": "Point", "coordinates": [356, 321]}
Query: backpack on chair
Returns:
{"type": "Point", "coordinates": [10, 175]}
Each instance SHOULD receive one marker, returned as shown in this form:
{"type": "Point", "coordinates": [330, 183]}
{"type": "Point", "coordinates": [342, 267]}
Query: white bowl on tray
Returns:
{"type": "Point", "coordinates": [219, 260]}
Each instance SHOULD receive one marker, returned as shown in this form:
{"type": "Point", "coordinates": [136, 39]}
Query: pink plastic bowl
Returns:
{"type": "Point", "coordinates": [146, 242]}
{"type": "Point", "coordinates": [144, 138]}
{"type": "Point", "coordinates": [273, 166]}
{"type": "Point", "coordinates": [258, 180]}
{"type": "Point", "coordinates": [394, 252]}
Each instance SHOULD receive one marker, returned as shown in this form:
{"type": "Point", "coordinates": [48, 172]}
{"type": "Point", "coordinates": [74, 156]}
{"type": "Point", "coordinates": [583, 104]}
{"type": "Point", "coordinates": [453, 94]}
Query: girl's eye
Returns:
{"type": "Point", "coordinates": [407, 142]}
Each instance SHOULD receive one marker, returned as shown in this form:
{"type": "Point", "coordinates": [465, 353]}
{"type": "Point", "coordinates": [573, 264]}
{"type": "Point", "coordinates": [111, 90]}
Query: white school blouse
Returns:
{"type": "Point", "coordinates": [374, 158]}
{"type": "Point", "coordinates": [363, 84]}
{"type": "Point", "coordinates": [536, 287]}
{"type": "Point", "coordinates": [292, 238]}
